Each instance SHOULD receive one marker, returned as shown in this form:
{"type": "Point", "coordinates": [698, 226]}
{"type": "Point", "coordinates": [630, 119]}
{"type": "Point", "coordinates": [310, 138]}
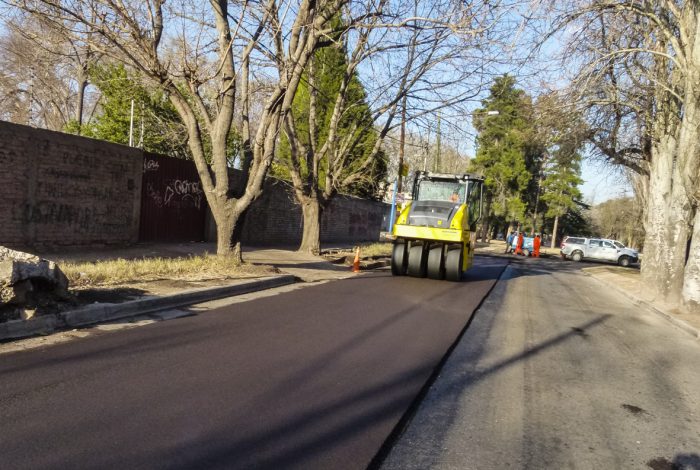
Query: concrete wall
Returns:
{"type": "Point", "coordinates": [59, 189]}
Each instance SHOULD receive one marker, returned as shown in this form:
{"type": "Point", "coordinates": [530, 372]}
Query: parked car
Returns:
{"type": "Point", "coordinates": [598, 249]}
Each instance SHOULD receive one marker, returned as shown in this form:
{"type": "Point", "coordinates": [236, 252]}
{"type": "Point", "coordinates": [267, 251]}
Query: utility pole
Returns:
{"type": "Point", "coordinates": [402, 144]}
{"type": "Point", "coordinates": [131, 125]}
{"type": "Point", "coordinates": [437, 157]}
{"type": "Point", "coordinates": [30, 101]}
{"type": "Point", "coordinates": [142, 127]}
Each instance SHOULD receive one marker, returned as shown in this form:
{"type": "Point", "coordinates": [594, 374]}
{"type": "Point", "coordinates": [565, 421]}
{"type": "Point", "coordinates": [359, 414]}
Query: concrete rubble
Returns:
{"type": "Point", "coordinates": [29, 283]}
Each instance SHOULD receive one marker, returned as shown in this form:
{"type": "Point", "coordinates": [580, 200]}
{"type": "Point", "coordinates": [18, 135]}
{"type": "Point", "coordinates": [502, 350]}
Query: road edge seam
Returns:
{"type": "Point", "coordinates": [412, 409]}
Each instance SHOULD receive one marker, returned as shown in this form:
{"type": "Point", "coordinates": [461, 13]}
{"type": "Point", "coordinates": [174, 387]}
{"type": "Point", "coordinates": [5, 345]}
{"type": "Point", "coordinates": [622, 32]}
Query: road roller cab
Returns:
{"type": "Point", "coordinates": [435, 233]}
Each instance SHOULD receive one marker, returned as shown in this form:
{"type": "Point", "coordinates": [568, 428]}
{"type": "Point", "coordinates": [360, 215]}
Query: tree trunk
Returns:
{"type": "Point", "coordinates": [229, 225]}
{"type": "Point", "coordinates": [537, 203]}
{"type": "Point", "coordinates": [666, 224]}
{"type": "Point", "coordinates": [554, 232]}
{"type": "Point", "coordinates": [485, 230]}
{"type": "Point", "coordinates": [81, 103]}
{"type": "Point", "coordinates": [486, 223]}
{"type": "Point", "coordinates": [691, 279]}
{"type": "Point", "coordinates": [311, 210]}
{"type": "Point", "coordinates": [688, 170]}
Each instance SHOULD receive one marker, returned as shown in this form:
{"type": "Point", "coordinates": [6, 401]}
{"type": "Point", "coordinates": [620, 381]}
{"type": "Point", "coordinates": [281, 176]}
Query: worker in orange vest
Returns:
{"type": "Point", "coordinates": [519, 246]}
{"type": "Point", "coordinates": [536, 245]}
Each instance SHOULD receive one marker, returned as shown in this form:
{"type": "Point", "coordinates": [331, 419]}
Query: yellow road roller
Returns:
{"type": "Point", "coordinates": [435, 233]}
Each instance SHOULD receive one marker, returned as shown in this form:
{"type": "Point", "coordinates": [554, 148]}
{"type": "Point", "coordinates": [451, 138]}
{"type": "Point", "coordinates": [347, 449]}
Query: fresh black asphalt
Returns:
{"type": "Point", "coordinates": [316, 378]}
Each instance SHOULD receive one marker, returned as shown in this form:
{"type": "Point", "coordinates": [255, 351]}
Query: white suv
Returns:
{"type": "Point", "coordinates": [598, 249]}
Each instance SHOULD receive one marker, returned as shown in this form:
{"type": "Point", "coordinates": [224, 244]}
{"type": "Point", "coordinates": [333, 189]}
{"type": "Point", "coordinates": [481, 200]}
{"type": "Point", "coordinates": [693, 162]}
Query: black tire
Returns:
{"type": "Point", "coordinates": [399, 259]}
{"type": "Point", "coordinates": [417, 261]}
{"type": "Point", "coordinates": [453, 264]}
{"type": "Point", "coordinates": [577, 256]}
{"type": "Point", "coordinates": [436, 265]}
{"type": "Point", "coordinates": [624, 261]}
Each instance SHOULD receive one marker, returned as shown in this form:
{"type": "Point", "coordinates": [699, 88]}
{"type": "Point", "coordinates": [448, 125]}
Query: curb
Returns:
{"type": "Point", "coordinates": [99, 313]}
{"type": "Point", "coordinates": [637, 301]}
{"type": "Point", "coordinates": [15, 329]}
{"type": "Point", "coordinates": [375, 265]}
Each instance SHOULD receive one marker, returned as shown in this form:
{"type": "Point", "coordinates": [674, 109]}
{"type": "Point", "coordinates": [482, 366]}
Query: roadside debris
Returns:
{"type": "Point", "coordinates": [29, 285]}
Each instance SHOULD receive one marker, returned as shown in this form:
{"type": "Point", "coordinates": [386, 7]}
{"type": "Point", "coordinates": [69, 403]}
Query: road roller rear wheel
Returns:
{"type": "Point", "coordinates": [436, 264]}
{"type": "Point", "coordinates": [417, 261]}
{"type": "Point", "coordinates": [399, 259]}
{"type": "Point", "coordinates": [453, 264]}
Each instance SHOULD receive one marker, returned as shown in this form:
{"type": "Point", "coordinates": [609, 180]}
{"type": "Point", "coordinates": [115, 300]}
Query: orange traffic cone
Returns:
{"type": "Point", "coordinates": [356, 263]}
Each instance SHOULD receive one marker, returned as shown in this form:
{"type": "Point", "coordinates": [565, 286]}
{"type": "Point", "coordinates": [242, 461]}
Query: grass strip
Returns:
{"type": "Point", "coordinates": [190, 268]}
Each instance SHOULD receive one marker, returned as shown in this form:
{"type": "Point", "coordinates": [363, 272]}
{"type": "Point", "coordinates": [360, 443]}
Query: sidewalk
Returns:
{"type": "Point", "coordinates": [306, 267]}
{"type": "Point", "coordinates": [628, 282]}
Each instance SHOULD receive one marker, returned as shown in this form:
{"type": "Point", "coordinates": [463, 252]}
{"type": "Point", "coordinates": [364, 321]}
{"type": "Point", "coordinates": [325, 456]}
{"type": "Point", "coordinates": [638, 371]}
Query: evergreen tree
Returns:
{"type": "Point", "coordinates": [330, 144]}
{"type": "Point", "coordinates": [560, 192]}
{"type": "Point", "coordinates": [157, 127]}
{"type": "Point", "coordinates": [502, 150]}
{"type": "Point", "coordinates": [558, 138]}
{"type": "Point", "coordinates": [329, 65]}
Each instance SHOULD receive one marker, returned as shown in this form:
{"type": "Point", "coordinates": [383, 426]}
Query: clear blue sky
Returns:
{"type": "Point", "coordinates": [602, 182]}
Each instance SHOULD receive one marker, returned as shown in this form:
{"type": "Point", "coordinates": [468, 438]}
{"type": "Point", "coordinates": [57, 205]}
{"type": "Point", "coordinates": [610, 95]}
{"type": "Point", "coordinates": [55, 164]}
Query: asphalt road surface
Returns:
{"type": "Point", "coordinates": [316, 378]}
{"type": "Point", "coordinates": [558, 370]}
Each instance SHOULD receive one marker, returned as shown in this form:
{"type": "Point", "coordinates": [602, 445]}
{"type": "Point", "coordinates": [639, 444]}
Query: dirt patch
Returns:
{"type": "Point", "coordinates": [10, 312]}
{"type": "Point", "coordinates": [662, 463]}
{"type": "Point", "coordinates": [347, 258]}
{"type": "Point", "coordinates": [137, 290]}
{"type": "Point", "coordinates": [107, 295]}
{"type": "Point", "coordinates": [635, 410]}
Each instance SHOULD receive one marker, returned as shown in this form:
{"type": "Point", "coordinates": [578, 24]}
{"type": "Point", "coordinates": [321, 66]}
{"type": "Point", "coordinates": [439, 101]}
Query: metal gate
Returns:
{"type": "Point", "coordinates": [173, 205]}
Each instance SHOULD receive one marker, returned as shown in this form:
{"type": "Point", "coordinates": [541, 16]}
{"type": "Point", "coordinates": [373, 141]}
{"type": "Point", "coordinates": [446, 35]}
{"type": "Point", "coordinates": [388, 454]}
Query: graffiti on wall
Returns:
{"type": "Point", "coordinates": [78, 219]}
{"type": "Point", "coordinates": [177, 194]}
{"type": "Point", "coordinates": [173, 204]}
{"type": "Point", "coordinates": [150, 164]}
{"type": "Point", "coordinates": [186, 191]}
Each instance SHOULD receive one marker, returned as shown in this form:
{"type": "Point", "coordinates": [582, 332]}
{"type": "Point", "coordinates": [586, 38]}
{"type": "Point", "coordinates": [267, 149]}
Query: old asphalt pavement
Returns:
{"type": "Point", "coordinates": [559, 370]}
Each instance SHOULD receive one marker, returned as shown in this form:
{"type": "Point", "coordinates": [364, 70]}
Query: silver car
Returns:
{"type": "Point", "coordinates": [598, 249]}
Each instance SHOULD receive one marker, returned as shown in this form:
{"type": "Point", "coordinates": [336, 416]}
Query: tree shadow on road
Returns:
{"type": "Point", "coordinates": [453, 385]}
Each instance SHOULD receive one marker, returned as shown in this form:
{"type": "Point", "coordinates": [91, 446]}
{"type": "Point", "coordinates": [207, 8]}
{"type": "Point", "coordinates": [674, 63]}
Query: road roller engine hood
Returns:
{"type": "Point", "coordinates": [437, 214]}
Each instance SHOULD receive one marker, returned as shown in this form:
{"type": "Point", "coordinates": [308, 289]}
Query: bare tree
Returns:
{"type": "Point", "coordinates": [426, 55]}
{"type": "Point", "coordinates": [641, 73]}
{"type": "Point", "coordinates": [619, 219]}
{"type": "Point", "coordinates": [205, 56]}
{"type": "Point", "coordinates": [45, 73]}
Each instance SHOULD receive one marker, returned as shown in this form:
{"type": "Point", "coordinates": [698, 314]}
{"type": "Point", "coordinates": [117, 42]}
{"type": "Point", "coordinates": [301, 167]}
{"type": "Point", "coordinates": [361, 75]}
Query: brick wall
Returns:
{"type": "Point", "coordinates": [275, 218]}
{"type": "Point", "coordinates": [59, 189]}
{"type": "Point", "coordinates": [62, 190]}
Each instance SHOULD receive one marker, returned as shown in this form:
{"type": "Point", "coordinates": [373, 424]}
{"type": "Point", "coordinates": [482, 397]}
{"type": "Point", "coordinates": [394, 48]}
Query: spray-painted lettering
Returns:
{"type": "Point", "coordinates": [186, 190]}
{"type": "Point", "coordinates": [150, 165]}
